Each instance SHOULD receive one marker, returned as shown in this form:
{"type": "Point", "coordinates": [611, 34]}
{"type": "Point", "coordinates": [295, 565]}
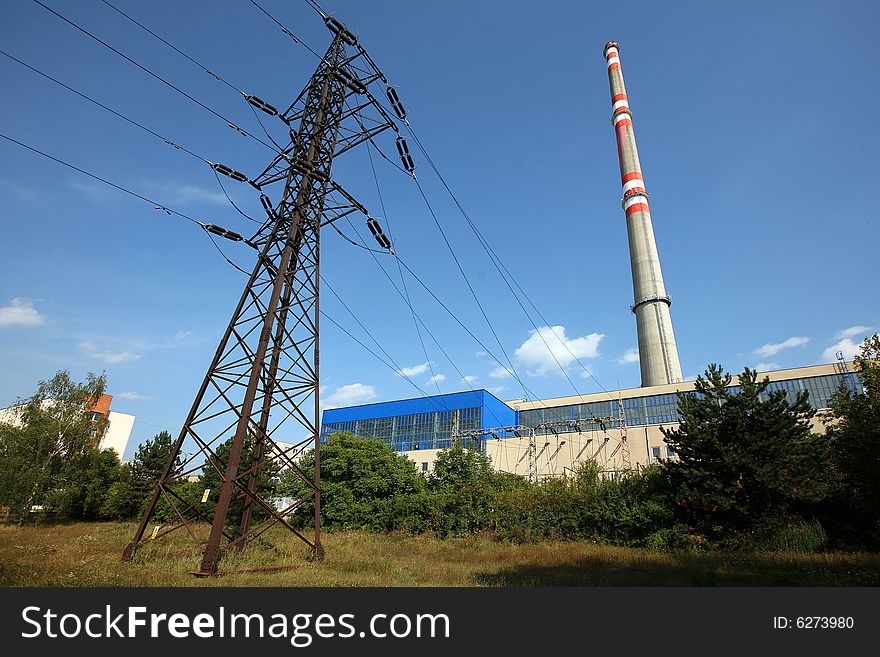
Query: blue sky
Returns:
{"type": "Point", "coordinates": [754, 127]}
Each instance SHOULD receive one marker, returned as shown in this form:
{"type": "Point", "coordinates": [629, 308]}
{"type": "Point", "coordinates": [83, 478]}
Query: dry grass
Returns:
{"type": "Point", "coordinates": [88, 554]}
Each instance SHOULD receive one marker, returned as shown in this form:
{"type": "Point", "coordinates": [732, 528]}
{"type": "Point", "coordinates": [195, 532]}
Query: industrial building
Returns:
{"type": "Point", "coordinates": [119, 425]}
{"type": "Point", "coordinates": [421, 427]}
{"type": "Point", "coordinates": [621, 430]}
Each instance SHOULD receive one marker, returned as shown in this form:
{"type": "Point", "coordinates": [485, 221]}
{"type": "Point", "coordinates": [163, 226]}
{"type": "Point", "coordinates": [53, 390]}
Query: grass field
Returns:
{"type": "Point", "coordinates": [88, 554]}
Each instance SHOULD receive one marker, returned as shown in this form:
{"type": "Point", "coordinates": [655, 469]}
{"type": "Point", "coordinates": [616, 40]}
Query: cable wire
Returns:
{"type": "Point", "coordinates": [469, 286]}
{"type": "Point", "coordinates": [172, 46]}
{"type": "Point", "coordinates": [232, 203]}
{"type": "Point", "coordinates": [228, 122]}
{"type": "Point", "coordinates": [284, 29]}
{"type": "Point", "coordinates": [157, 205]}
{"type": "Point", "coordinates": [109, 109]}
{"type": "Point", "coordinates": [497, 261]}
{"type": "Point", "coordinates": [137, 124]}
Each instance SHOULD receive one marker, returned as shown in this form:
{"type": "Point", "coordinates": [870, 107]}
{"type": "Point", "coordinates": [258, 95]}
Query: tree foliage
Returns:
{"type": "Point", "coordinates": [128, 496]}
{"type": "Point", "coordinates": [54, 429]}
{"type": "Point", "coordinates": [83, 484]}
{"type": "Point", "coordinates": [854, 429]}
{"type": "Point", "coordinates": [356, 472]}
{"type": "Point", "coordinates": [456, 468]}
{"type": "Point", "coordinates": [211, 481]}
{"type": "Point", "coordinates": [745, 456]}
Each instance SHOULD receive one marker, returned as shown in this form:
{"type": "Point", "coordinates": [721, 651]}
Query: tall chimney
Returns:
{"type": "Point", "coordinates": [658, 355]}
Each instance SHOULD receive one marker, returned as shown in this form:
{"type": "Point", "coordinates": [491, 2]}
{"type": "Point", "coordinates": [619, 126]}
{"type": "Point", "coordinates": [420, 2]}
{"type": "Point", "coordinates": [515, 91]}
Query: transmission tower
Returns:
{"type": "Point", "coordinates": [624, 442]}
{"type": "Point", "coordinates": [260, 394]}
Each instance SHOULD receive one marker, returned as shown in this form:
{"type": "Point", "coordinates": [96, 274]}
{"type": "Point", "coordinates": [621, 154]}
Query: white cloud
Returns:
{"type": "Point", "coordinates": [132, 396]}
{"type": "Point", "coordinates": [587, 372]}
{"type": "Point", "coordinates": [549, 345]}
{"type": "Point", "coordinates": [437, 378]}
{"type": "Point", "coordinates": [22, 192]}
{"type": "Point", "coordinates": [773, 348]}
{"type": "Point", "coordinates": [629, 356]}
{"type": "Point", "coordinates": [469, 379]}
{"type": "Point", "coordinates": [848, 346]}
{"type": "Point", "coordinates": [20, 312]}
{"type": "Point", "coordinates": [415, 370]}
{"type": "Point", "coordinates": [852, 332]}
{"type": "Point", "coordinates": [768, 367]}
{"type": "Point", "coordinates": [181, 194]}
{"type": "Point", "coordinates": [351, 394]}
{"type": "Point", "coordinates": [501, 372]}
{"type": "Point", "coordinates": [95, 192]}
{"type": "Point", "coordinates": [497, 390]}
{"type": "Point", "coordinates": [481, 354]}
{"type": "Point", "coordinates": [90, 349]}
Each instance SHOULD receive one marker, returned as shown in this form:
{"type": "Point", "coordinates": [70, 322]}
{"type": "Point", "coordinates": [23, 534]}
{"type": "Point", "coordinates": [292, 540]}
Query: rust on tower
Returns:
{"type": "Point", "coordinates": [258, 406]}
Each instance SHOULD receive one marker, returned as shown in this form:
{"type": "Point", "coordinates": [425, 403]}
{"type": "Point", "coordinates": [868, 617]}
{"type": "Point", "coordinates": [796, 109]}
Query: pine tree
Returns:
{"type": "Point", "coordinates": [745, 457]}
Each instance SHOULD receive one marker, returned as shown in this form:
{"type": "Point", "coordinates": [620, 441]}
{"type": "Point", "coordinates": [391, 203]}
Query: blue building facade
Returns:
{"type": "Point", "coordinates": [425, 423]}
{"type": "Point", "coordinates": [421, 423]}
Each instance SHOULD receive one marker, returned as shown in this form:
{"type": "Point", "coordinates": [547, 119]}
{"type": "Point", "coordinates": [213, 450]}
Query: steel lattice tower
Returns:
{"type": "Point", "coordinates": [262, 386]}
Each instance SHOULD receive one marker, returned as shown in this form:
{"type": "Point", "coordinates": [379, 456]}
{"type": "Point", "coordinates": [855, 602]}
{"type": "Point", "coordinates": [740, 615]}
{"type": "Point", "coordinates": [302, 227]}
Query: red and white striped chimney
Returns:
{"type": "Point", "coordinates": [658, 354]}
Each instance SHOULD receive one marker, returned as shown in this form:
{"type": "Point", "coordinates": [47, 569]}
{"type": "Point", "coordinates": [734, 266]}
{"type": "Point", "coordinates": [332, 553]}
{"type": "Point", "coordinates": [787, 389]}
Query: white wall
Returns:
{"type": "Point", "coordinates": [118, 432]}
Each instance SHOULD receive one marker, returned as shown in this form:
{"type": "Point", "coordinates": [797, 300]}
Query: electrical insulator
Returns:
{"type": "Point", "coordinates": [405, 157]}
{"type": "Point", "coordinates": [350, 81]}
{"type": "Point", "coordinates": [396, 105]}
{"type": "Point", "coordinates": [222, 232]}
{"type": "Point", "coordinates": [232, 173]}
{"type": "Point", "coordinates": [261, 104]}
{"type": "Point", "coordinates": [338, 28]}
{"type": "Point", "coordinates": [307, 169]}
{"type": "Point", "coordinates": [267, 206]}
{"type": "Point", "coordinates": [376, 229]}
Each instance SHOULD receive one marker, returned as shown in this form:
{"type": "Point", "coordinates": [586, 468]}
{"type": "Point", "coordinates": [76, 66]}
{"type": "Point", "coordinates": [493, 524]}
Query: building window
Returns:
{"type": "Point", "coordinates": [671, 453]}
{"type": "Point", "coordinates": [655, 452]}
{"type": "Point", "coordinates": [424, 466]}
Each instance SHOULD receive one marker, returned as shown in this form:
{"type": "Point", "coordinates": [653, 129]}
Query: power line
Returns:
{"type": "Point", "coordinates": [467, 330]}
{"type": "Point", "coordinates": [421, 321]}
{"type": "Point", "coordinates": [286, 31]}
{"type": "Point", "coordinates": [228, 121]}
{"type": "Point", "coordinates": [158, 206]}
{"type": "Point", "coordinates": [469, 286]}
{"type": "Point", "coordinates": [497, 261]}
{"type": "Point", "coordinates": [512, 369]}
{"type": "Point", "coordinates": [175, 48]}
{"type": "Point", "coordinates": [353, 243]}
{"type": "Point", "coordinates": [499, 265]}
{"type": "Point", "coordinates": [137, 124]}
{"type": "Point", "coordinates": [216, 76]}
{"type": "Point", "coordinates": [399, 268]}
{"type": "Point", "coordinates": [232, 203]}
{"type": "Point", "coordinates": [168, 141]}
